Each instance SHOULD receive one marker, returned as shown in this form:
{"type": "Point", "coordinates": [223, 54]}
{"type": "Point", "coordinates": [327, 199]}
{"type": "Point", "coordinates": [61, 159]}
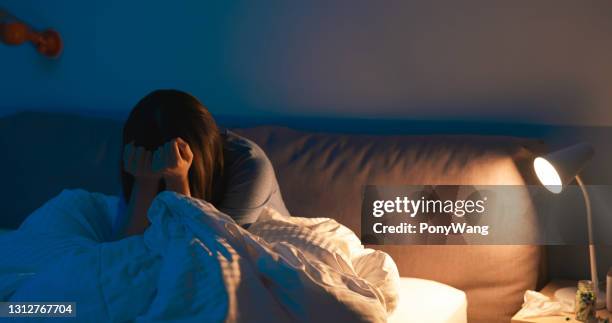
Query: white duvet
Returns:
{"type": "Point", "coordinates": [194, 263]}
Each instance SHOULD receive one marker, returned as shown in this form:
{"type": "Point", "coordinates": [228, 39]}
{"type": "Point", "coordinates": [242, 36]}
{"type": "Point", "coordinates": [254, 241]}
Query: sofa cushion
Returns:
{"type": "Point", "coordinates": [324, 174]}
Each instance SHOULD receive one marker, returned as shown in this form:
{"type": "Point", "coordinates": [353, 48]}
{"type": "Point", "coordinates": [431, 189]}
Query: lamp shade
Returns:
{"type": "Point", "coordinates": [560, 167]}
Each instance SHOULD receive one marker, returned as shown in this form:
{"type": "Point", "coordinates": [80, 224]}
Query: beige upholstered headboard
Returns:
{"type": "Point", "coordinates": [324, 174]}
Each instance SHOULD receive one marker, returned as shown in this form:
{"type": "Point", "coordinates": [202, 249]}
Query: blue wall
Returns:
{"type": "Point", "coordinates": [542, 62]}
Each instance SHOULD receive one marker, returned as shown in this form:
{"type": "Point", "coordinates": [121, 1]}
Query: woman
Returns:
{"type": "Point", "coordinates": [171, 142]}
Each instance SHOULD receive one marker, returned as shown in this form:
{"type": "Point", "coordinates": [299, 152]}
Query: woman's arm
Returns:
{"type": "Point", "coordinates": [143, 193]}
{"type": "Point", "coordinates": [251, 182]}
{"type": "Point", "coordinates": [138, 163]}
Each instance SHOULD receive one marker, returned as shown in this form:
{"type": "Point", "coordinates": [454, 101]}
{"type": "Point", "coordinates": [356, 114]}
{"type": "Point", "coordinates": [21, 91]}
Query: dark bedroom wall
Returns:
{"type": "Point", "coordinates": [537, 61]}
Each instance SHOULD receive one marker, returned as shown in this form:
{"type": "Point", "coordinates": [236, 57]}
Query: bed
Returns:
{"type": "Point", "coordinates": [319, 174]}
{"type": "Point", "coordinates": [424, 301]}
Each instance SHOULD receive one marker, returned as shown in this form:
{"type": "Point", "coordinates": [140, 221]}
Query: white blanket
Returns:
{"type": "Point", "coordinates": [194, 264]}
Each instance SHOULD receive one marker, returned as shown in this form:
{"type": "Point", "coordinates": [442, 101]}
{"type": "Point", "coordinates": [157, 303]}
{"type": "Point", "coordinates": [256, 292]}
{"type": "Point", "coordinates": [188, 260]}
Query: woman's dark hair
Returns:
{"type": "Point", "coordinates": [163, 115]}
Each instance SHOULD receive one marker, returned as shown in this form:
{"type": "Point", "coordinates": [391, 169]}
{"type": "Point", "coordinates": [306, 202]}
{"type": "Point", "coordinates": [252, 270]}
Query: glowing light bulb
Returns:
{"type": "Point", "coordinates": [548, 175]}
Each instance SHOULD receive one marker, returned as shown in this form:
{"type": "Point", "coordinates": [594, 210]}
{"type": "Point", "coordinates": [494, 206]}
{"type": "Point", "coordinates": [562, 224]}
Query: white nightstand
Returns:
{"type": "Point", "coordinates": [549, 290]}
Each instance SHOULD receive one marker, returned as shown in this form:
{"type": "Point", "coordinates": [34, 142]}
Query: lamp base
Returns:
{"type": "Point", "coordinates": [568, 295]}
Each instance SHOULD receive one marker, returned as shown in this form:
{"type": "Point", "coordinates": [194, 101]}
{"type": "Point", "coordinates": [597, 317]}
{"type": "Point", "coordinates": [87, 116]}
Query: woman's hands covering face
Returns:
{"type": "Point", "coordinates": [170, 161]}
{"type": "Point", "coordinates": [137, 162]}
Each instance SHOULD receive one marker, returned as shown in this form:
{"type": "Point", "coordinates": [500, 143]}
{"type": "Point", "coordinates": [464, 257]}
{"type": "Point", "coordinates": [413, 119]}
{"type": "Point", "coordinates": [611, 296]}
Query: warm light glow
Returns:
{"type": "Point", "coordinates": [548, 175]}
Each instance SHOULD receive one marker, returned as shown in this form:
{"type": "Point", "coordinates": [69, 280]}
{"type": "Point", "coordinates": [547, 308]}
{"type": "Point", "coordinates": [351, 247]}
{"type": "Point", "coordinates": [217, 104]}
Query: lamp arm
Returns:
{"type": "Point", "coordinates": [592, 256]}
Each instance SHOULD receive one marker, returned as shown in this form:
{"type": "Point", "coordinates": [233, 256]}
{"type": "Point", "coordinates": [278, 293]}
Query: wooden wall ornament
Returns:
{"type": "Point", "coordinates": [14, 32]}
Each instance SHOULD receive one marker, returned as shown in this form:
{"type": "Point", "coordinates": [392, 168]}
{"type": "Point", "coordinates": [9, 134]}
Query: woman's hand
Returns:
{"type": "Point", "coordinates": [137, 162]}
{"type": "Point", "coordinates": [172, 161]}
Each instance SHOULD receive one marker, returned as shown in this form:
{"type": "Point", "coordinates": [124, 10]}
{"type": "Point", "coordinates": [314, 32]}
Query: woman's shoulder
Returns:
{"type": "Point", "coordinates": [240, 153]}
{"type": "Point", "coordinates": [236, 143]}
